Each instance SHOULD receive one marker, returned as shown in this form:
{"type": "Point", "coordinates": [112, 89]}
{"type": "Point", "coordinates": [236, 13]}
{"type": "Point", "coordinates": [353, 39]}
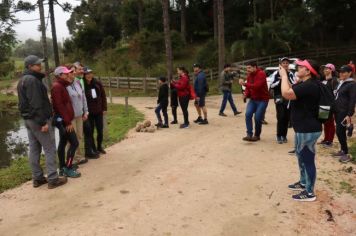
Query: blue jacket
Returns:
{"type": "Point", "coordinates": [200, 84]}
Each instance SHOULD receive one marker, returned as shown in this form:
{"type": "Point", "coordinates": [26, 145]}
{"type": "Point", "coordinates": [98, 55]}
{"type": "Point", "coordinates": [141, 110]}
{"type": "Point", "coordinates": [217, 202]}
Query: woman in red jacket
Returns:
{"type": "Point", "coordinates": [183, 91]}
{"type": "Point", "coordinates": [63, 116]}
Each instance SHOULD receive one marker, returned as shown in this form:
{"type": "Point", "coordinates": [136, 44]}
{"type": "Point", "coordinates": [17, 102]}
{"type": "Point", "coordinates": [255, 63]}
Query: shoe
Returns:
{"type": "Point", "coordinates": [327, 144]}
{"type": "Point", "coordinates": [101, 151]}
{"type": "Point", "coordinates": [165, 126]}
{"type": "Point", "coordinates": [292, 152]}
{"type": "Point", "coordinates": [237, 113]}
{"type": "Point", "coordinates": [255, 138]}
{"type": "Point", "coordinates": [247, 138]}
{"type": "Point", "coordinates": [198, 120]}
{"type": "Point", "coordinates": [92, 155]}
{"type": "Point", "coordinates": [57, 182]}
{"type": "Point", "coordinates": [39, 182]}
{"type": "Point", "coordinates": [159, 125]}
{"type": "Point", "coordinates": [296, 186]}
{"type": "Point", "coordinates": [284, 139]}
{"type": "Point", "coordinates": [71, 172]}
{"type": "Point", "coordinates": [345, 158]}
{"type": "Point", "coordinates": [264, 122]}
{"type": "Point", "coordinates": [61, 172]}
{"type": "Point", "coordinates": [184, 126]}
{"type": "Point", "coordinates": [204, 122]}
{"type": "Point", "coordinates": [338, 154]}
{"type": "Point", "coordinates": [279, 140]}
{"type": "Point", "coordinates": [304, 197]}
{"type": "Point", "coordinates": [322, 142]}
{"type": "Point", "coordinates": [174, 122]}
{"type": "Point", "coordinates": [222, 114]}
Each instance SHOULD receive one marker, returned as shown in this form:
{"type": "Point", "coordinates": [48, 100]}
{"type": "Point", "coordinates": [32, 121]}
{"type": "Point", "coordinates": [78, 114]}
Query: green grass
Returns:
{"type": "Point", "coordinates": [8, 102]}
{"type": "Point", "coordinates": [119, 123]}
{"type": "Point", "coordinates": [347, 187]}
{"type": "Point", "coordinates": [353, 151]}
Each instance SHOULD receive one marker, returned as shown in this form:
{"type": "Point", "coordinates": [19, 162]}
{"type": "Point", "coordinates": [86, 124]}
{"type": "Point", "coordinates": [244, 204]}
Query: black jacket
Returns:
{"type": "Point", "coordinates": [33, 98]}
{"type": "Point", "coordinates": [163, 95]}
{"type": "Point", "coordinates": [345, 98]}
{"type": "Point", "coordinates": [99, 104]}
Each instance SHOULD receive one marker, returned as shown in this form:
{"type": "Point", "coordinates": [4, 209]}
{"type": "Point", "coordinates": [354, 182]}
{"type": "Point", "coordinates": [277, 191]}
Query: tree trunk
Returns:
{"type": "Point", "coordinates": [272, 7]}
{"type": "Point", "coordinates": [54, 33]}
{"type": "Point", "coordinates": [215, 15]}
{"type": "Point", "coordinates": [140, 14]}
{"type": "Point", "coordinates": [167, 39]}
{"type": "Point", "coordinates": [183, 20]}
{"type": "Point", "coordinates": [44, 40]}
{"type": "Point", "coordinates": [221, 38]}
{"type": "Point", "coordinates": [254, 12]}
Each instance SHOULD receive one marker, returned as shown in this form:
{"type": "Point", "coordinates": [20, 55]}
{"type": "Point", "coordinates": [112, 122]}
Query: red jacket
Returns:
{"type": "Point", "coordinates": [182, 85]}
{"type": "Point", "coordinates": [256, 86]}
{"type": "Point", "coordinates": [62, 105]}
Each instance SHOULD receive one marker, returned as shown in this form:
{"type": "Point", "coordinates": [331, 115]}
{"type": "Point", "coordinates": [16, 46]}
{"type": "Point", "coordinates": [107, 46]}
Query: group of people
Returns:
{"type": "Point", "coordinates": [76, 108]}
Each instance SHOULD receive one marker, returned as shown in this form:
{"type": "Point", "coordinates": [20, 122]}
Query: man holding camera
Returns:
{"type": "Point", "coordinates": [226, 80]}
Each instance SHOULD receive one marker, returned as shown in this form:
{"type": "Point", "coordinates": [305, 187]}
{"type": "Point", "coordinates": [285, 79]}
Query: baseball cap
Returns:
{"type": "Point", "coordinates": [87, 70]}
{"type": "Point", "coordinates": [330, 66]}
{"type": "Point", "coordinates": [345, 68]}
{"type": "Point", "coordinates": [32, 60]}
{"type": "Point", "coordinates": [284, 59]}
{"type": "Point", "coordinates": [306, 64]}
{"type": "Point", "coordinates": [62, 70]}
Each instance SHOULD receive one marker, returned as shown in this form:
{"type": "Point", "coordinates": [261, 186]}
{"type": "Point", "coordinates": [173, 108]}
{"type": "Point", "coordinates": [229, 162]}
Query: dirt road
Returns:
{"type": "Point", "coordinates": [199, 181]}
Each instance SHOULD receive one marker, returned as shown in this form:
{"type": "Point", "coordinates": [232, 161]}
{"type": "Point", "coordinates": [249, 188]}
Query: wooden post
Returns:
{"type": "Point", "coordinates": [145, 85]}
{"type": "Point", "coordinates": [110, 95]}
{"type": "Point", "coordinates": [127, 105]}
{"type": "Point", "coordinates": [128, 83]}
{"type": "Point", "coordinates": [117, 82]}
{"type": "Point", "coordinates": [109, 82]}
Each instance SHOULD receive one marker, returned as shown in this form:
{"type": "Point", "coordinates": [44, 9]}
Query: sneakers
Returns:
{"type": "Point", "coordinates": [57, 182]}
{"type": "Point", "coordinates": [304, 197]}
{"type": "Point", "coordinates": [296, 187]}
{"type": "Point", "coordinates": [255, 138]}
{"type": "Point", "coordinates": [204, 122]}
{"type": "Point", "coordinates": [92, 155]}
{"type": "Point", "coordinates": [222, 114]}
{"type": "Point", "coordinates": [159, 125]}
{"type": "Point", "coordinates": [198, 120]}
{"type": "Point", "coordinates": [70, 172]}
{"type": "Point", "coordinates": [174, 122]}
{"type": "Point", "coordinates": [292, 152]}
{"type": "Point", "coordinates": [338, 154]}
{"type": "Point", "coordinates": [184, 126]}
{"type": "Point", "coordinates": [165, 126]}
{"type": "Point", "coordinates": [279, 140]}
{"type": "Point", "coordinates": [345, 158]}
{"type": "Point", "coordinates": [264, 122]}
{"type": "Point", "coordinates": [237, 113]}
{"type": "Point", "coordinates": [39, 182]}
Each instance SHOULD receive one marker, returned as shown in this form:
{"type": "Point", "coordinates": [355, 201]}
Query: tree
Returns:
{"type": "Point", "coordinates": [183, 20]}
{"type": "Point", "coordinates": [54, 32]}
{"type": "Point", "coordinates": [7, 33]}
{"type": "Point", "coordinates": [167, 39]}
{"type": "Point", "coordinates": [44, 39]}
{"type": "Point", "coordinates": [221, 39]}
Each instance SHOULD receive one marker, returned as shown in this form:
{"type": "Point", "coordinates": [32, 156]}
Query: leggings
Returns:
{"type": "Point", "coordinates": [64, 138]}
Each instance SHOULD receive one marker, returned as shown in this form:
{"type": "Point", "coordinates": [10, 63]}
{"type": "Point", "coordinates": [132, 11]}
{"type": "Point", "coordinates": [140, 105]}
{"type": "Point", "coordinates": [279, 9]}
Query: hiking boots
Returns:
{"type": "Point", "coordinates": [165, 126]}
{"type": "Point", "coordinates": [184, 126]}
{"type": "Point", "coordinates": [204, 122]}
{"type": "Point", "coordinates": [279, 140]}
{"type": "Point", "coordinates": [292, 152]}
{"type": "Point", "coordinates": [174, 122]}
{"type": "Point", "coordinates": [101, 151]}
{"type": "Point", "coordinates": [284, 139]}
{"type": "Point", "coordinates": [237, 113]}
{"type": "Point", "coordinates": [71, 172]}
{"type": "Point", "coordinates": [198, 120]}
{"type": "Point", "coordinates": [37, 183]}
{"type": "Point", "coordinates": [249, 138]}
{"type": "Point", "coordinates": [92, 155]}
{"type": "Point", "coordinates": [159, 125]}
{"type": "Point", "coordinates": [264, 122]}
{"type": "Point", "coordinates": [57, 182]}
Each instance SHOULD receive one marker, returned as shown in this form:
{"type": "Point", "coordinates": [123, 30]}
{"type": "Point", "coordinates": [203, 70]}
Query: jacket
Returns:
{"type": "Point", "coordinates": [345, 99]}
{"type": "Point", "coordinates": [256, 86]}
{"type": "Point", "coordinates": [182, 85]}
{"type": "Point", "coordinates": [62, 104]}
{"type": "Point", "coordinates": [331, 83]}
{"type": "Point", "coordinates": [226, 80]}
{"type": "Point", "coordinates": [77, 96]}
{"type": "Point", "coordinates": [33, 99]}
{"type": "Point", "coordinates": [200, 84]}
{"type": "Point", "coordinates": [163, 95]}
{"type": "Point", "coordinates": [96, 105]}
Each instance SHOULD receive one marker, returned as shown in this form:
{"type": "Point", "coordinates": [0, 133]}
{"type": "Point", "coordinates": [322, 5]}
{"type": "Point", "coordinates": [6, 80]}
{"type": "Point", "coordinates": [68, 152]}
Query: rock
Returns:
{"type": "Point", "coordinates": [146, 123]}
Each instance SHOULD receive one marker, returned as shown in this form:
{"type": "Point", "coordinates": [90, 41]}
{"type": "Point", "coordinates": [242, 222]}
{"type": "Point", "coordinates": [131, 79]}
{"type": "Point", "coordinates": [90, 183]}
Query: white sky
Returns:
{"type": "Point", "coordinates": [25, 30]}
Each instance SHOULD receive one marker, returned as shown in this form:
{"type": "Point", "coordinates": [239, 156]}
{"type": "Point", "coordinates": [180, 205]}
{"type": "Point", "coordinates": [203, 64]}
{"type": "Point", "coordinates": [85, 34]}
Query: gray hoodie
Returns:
{"type": "Point", "coordinates": [77, 96]}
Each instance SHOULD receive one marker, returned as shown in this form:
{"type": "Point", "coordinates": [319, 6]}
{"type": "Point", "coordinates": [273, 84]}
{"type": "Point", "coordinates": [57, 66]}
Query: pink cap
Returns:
{"type": "Point", "coordinates": [306, 64]}
{"type": "Point", "coordinates": [62, 70]}
{"type": "Point", "coordinates": [330, 66]}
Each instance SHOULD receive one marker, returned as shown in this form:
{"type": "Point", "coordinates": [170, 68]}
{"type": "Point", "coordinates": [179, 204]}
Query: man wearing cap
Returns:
{"type": "Point", "coordinates": [344, 108]}
{"type": "Point", "coordinates": [36, 110]}
{"type": "Point", "coordinates": [329, 126]}
{"type": "Point", "coordinates": [200, 88]}
{"type": "Point", "coordinates": [226, 81]}
{"type": "Point", "coordinates": [282, 105]}
{"type": "Point", "coordinates": [305, 97]}
{"type": "Point", "coordinates": [63, 116]}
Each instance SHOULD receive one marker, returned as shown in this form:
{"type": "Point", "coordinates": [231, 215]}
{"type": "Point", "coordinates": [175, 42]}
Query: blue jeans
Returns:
{"type": "Point", "coordinates": [258, 108]}
{"type": "Point", "coordinates": [158, 110]}
{"type": "Point", "coordinates": [305, 150]}
{"type": "Point", "coordinates": [227, 97]}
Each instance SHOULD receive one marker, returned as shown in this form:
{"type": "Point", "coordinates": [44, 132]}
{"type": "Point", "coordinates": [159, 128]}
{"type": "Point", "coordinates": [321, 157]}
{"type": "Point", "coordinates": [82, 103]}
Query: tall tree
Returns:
{"type": "Point", "coordinates": [167, 39]}
{"type": "Point", "coordinates": [44, 39]}
{"type": "Point", "coordinates": [54, 32]}
{"type": "Point", "coordinates": [221, 38]}
{"type": "Point", "coordinates": [183, 20]}
{"type": "Point", "coordinates": [140, 14]}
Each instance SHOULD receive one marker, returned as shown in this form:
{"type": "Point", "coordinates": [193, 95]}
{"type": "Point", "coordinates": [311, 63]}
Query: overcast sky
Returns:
{"type": "Point", "coordinates": [25, 30]}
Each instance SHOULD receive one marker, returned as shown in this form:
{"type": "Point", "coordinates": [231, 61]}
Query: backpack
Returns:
{"type": "Point", "coordinates": [192, 94]}
{"type": "Point", "coordinates": [325, 102]}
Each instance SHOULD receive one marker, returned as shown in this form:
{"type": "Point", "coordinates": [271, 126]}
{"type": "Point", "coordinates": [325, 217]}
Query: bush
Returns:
{"type": "Point", "coordinates": [208, 55]}
{"type": "Point", "coordinates": [178, 44]}
{"type": "Point", "coordinates": [6, 68]}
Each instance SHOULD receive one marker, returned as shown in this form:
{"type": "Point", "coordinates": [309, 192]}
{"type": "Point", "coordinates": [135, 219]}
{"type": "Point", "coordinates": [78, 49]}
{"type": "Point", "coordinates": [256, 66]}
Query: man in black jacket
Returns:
{"type": "Point", "coordinates": [344, 108]}
{"type": "Point", "coordinates": [162, 103]}
{"type": "Point", "coordinates": [36, 110]}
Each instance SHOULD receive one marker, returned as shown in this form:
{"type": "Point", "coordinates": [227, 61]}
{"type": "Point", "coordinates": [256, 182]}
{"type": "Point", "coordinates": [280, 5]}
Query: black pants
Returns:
{"type": "Point", "coordinates": [64, 138]}
{"type": "Point", "coordinates": [174, 112]}
{"type": "Point", "coordinates": [95, 122]}
{"type": "Point", "coordinates": [283, 117]}
{"type": "Point", "coordinates": [163, 108]}
{"type": "Point", "coordinates": [341, 131]}
{"type": "Point", "coordinates": [184, 102]}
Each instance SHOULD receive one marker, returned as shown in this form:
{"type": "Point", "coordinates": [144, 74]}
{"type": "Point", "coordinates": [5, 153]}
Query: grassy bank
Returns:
{"type": "Point", "coordinates": [118, 125]}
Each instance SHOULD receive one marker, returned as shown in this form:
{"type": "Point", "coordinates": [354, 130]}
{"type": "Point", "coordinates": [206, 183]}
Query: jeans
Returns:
{"type": "Point", "coordinates": [184, 102]}
{"type": "Point", "coordinates": [227, 97]}
{"type": "Point", "coordinates": [258, 108]}
{"type": "Point", "coordinates": [64, 138]}
{"type": "Point", "coordinates": [158, 110]}
{"type": "Point", "coordinates": [96, 121]}
{"type": "Point", "coordinates": [283, 115]}
{"type": "Point", "coordinates": [341, 132]}
{"type": "Point", "coordinates": [305, 151]}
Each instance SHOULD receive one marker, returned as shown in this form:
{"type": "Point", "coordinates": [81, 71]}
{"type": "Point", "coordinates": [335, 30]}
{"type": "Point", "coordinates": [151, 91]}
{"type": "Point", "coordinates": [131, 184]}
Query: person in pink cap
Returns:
{"type": "Point", "coordinates": [331, 81]}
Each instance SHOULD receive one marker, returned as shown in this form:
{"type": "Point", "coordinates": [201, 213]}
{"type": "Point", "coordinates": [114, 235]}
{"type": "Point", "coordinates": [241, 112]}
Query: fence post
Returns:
{"type": "Point", "coordinates": [145, 85]}
{"type": "Point", "coordinates": [109, 82]}
{"type": "Point", "coordinates": [127, 105]}
{"type": "Point", "coordinates": [270, 60]}
{"type": "Point", "coordinates": [117, 82]}
{"type": "Point", "coordinates": [110, 95]}
{"type": "Point", "coordinates": [128, 83]}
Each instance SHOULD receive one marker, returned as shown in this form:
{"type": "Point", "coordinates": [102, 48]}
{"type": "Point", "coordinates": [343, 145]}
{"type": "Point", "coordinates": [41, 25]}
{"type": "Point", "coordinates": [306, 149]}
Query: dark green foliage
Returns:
{"type": "Point", "coordinates": [208, 54]}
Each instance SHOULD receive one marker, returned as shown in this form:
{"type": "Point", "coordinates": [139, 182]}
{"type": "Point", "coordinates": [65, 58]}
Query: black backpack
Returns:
{"type": "Point", "coordinates": [325, 103]}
